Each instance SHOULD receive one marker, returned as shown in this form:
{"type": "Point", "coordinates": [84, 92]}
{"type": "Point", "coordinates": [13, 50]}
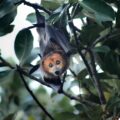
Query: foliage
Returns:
{"type": "Point", "coordinates": [97, 43]}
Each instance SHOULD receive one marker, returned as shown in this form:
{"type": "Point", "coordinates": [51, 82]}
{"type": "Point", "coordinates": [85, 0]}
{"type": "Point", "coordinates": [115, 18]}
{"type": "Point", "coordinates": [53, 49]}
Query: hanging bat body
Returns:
{"type": "Point", "coordinates": [55, 51]}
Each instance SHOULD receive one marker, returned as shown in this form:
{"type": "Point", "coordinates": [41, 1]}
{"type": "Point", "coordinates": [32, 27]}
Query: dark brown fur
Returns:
{"type": "Point", "coordinates": [54, 49]}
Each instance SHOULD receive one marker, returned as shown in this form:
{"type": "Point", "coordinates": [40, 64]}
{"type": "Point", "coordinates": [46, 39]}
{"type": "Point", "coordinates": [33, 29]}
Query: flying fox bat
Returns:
{"type": "Point", "coordinates": [55, 51]}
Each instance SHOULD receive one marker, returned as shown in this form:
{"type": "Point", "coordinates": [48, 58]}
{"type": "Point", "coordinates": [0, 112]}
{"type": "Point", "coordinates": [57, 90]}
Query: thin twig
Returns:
{"type": "Point", "coordinates": [2, 64]}
{"type": "Point", "coordinates": [91, 69]}
{"type": "Point", "coordinates": [78, 99]}
{"type": "Point", "coordinates": [77, 29]}
{"type": "Point", "coordinates": [34, 26]}
{"type": "Point", "coordinates": [74, 74]}
{"type": "Point", "coordinates": [75, 6]}
{"type": "Point", "coordinates": [32, 77]}
{"type": "Point", "coordinates": [108, 36]}
{"type": "Point", "coordinates": [34, 97]}
{"type": "Point", "coordinates": [71, 96]}
{"type": "Point", "coordinates": [6, 63]}
{"type": "Point", "coordinates": [20, 70]}
{"type": "Point", "coordinates": [35, 6]}
{"type": "Point", "coordinates": [77, 43]}
{"type": "Point", "coordinates": [96, 78]}
{"type": "Point", "coordinates": [98, 40]}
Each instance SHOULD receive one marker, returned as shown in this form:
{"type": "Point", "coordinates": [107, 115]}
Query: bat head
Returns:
{"type": "Point", "coordinates": [54, 64]}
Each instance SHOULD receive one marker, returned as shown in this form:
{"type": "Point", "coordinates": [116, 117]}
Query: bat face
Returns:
{"type": "Point", "coordinates": [54, 64]}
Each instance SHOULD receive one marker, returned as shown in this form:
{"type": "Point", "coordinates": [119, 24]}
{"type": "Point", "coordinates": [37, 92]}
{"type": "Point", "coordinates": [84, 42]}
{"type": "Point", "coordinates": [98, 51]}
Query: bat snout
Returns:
{"type": "Point", "coordinates": [57, 73]}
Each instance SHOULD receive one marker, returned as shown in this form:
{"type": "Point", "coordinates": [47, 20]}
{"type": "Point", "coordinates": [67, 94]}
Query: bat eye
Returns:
{"type": "Point", "coordinates": [50, 65]}
{"type": "Point", "coordinates": [57, 62]}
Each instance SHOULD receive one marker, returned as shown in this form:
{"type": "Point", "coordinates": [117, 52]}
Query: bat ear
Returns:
{"type": "Point", "coordinates": [40, 18]}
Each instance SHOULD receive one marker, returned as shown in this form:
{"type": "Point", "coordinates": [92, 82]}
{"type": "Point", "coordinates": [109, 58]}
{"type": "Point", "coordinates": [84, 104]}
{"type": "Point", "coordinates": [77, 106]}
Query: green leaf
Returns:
{"type": "Point", "coordinates": [118, 18]}
{"type": "Point", "coordinates": [98, 9]}
{"type": "Point", "coordinates": [59, 17]}
{"type": "Point", "coordinates": [110, 1]}
{"type": "Point", "coordinates": [104, 49]}
{"type": "Point", "coordinates": [31, 17]}
{"type": "Point", "coordinates": [73, 1]}
{"type": "Point", "coordinates": [16, 83]}
{"type": "Point", "coordinates": [112, 59]}
{"type": "Point", "coordinates": [6, 30]}
{"type": "Point", "coordinates": [53, 17]}
{"type": "Point", "coordinates": [82, 74]}
{"type": "Point", "coordinates": [5, 22]}
{"type": "Point", "coordinates": [9, 117]}
{"type": "Point", "coordinates": [41, 90]}
{"type": "Point", "coordinates": [79, 107]}
{"type": "Point", "coordinates": [6, 6]}
{"type": "Point", "coordinates": [4, 73]}
{"type": "Point", "coordinates": [103, 75]}
{"type": "Point", "coordinates": [8, 12]}
{"type": "Point", "coordinates": [23, 45]}
{"type": "Point", "coordinates": [92, 112]}
{"type": "Point", "coordinates": [34, 54]}
{"type": "Point", "coordinates": [66, 104]}
{"type": "Point", "coordinates": [16, 100]}
{"type": "Point", "coordinates": [77, 11]}
{"type": "Point", "coordinates": [7, 19]}
{"type": "Point", "coordinates": [113, 101]}
{"type": "Point", "coordinates": [90, 33]}
{"type": "Point", "coordinates": [65, 116]}
{"type": "Point", "coordinates": [51, 4]}
{"type": "Point", "coordinates": [109, 62]}
{"type": "Point", "coordinates": [61, 20]}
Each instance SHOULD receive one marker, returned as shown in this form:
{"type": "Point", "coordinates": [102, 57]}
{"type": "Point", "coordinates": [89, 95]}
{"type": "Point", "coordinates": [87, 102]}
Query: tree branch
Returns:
{"type": "Point", "coordinates": [77, 43]}
{"type": "Point", "coordinates": [34, 26]}
{"type": "Point", "coordinates": [108, 36]}
{"type": "Point", "coordinates": [21, 71]}
{"type": "Point", "coordinates": [78, 99]}
{"type": "Point", "coordinates": [74, 74]}
{"type": "Point", "coordinates": [35, 6]}
{"type": "Point", "coordinates": [32, 77]}
{"type": "Point", "coordinates": [6, 63]}
{"type": "Point", "coordinates": [96, 78]}
{"type": "Point", "coordinates": [91, 69]}
{"type": "Point", "coordinates": [34, 97]}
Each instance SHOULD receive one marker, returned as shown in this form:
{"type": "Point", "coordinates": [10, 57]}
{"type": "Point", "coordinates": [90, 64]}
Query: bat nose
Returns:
{"type": "Point", "coordinates": [57, 72]}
